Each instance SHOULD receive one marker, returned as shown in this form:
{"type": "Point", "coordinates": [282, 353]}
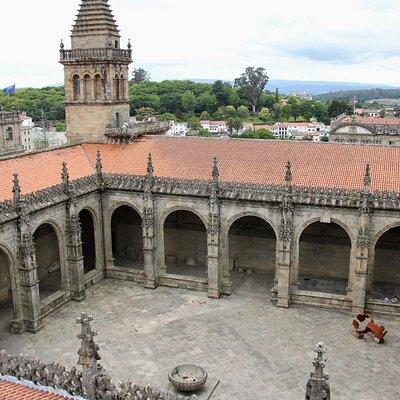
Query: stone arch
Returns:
{"type": "Point", "coordinates": [170, 210]}
{"type": "Point", "coordinates": [251, 251]}
{"type": "Point", "coordinates": [126, 236]}
{"type": "Point", "coordinates": [184, 242]}
{"type": "Point", "coordinates": [9, 134]}
{"type": "Point", "coordinates": [8, 312]}
{"type": "Point", "coordinates": [86, 87]}
{"type": "Point", "coordinates": [122, 86]}
{"type": "Point", "coordinates": [76, 87]}
{"type": "Point", "coordinates": [89, 238]}
{"type": "Point", "coordinates": [312, 256]}
{"type": "Point", "coordinates": [384, 267]}
{"type": "Point", "coordinates": [256, 214]}
{"type": "Point", "coordinates": [117, 88]}
{"type": "Point", "coordinates": [98, 87]}
{"type": "Point", "coordinates": [50, 258]}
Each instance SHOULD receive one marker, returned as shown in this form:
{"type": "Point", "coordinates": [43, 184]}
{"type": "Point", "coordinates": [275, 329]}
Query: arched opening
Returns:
{"type": "Point", "coordinates": [386, 278]}
{"type": "Point", "coordinates": [9, 135]}
{"type": "Point", "coordinates": [117, 92]}
{"type": "Point", "coordinates": [185, 244]}
{"type": "Point", "coordinates": [48, 260]}
{"type": "Point", "coordinates": [98, 88]}
{"type": "Point", "coordinates": [88, 240]}
{"type": "Point", "coordinates": [86, 87]}
{"type": "Point", "coordinates": [76, 87]}
{"type": "Point", "coordinates": [122, 86]}
{"type": "Point", "coordinates": [127, 238]}
{"type": "Point", "coordinates": [6, 300]}
{"type": "Point", "coordinates": [324, 258]}
{"type": "Point", "coordinates": [252, 254]}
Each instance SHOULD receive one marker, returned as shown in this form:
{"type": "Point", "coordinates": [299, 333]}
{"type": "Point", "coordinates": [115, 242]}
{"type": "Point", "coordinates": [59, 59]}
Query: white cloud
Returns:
{"type": "Point", "coordinates": [350, 40]}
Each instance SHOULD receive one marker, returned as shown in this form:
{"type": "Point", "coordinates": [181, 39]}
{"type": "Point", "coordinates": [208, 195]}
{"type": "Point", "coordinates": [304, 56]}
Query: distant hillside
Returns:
{"type": "Point", "coordinates": [311, 87]}
{"type": "Point", "coordinates": [364, 95]}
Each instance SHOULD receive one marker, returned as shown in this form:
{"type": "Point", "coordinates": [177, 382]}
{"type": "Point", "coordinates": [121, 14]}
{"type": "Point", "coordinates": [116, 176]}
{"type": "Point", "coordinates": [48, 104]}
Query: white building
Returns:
{"type": "Point", "coordinates": [178, 129]}
{"type": "Point", "coordinates": [26, 132]}
{"type": "Point", "coordinates": [298, 130]}
{"type": "Point", "coordinates": [215, 127]}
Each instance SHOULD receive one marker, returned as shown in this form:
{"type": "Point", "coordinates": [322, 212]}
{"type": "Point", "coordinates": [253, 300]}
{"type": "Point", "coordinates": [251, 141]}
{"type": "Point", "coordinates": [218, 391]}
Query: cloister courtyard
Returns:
{"type": "Point", "coordinates": [256, 350]}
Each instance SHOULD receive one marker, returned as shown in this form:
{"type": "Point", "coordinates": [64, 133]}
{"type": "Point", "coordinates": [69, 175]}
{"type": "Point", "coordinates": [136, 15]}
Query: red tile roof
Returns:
{"type": "Point", "coordinates": [14, 391]}
{"type": "Point", "coordinates": [246, 161]}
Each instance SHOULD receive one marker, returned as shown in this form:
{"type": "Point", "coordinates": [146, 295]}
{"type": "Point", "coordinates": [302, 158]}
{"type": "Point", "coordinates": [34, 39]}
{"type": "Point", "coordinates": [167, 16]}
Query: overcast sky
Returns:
{"type": "Point", "coordinates": [341, 40]}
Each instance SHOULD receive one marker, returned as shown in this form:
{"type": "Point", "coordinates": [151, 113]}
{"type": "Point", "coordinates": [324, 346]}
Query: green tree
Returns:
{"type": "Point", "coordinates": [234, 124]}
{"type": "Point", "coordinates": [60, 126]}
{"type": "Point", "coordinates": [204, 133]}
{"type": "Point", "coordinates": [144, 113]}
{"type": "Point", "coordinates": [193, 123]}
{"type": "Point", "coordinates": [140, 75]}
{"type": "Point", "coordinates": [230, 111]}
{"type": "Point", "coordinates": [207, 102]}
{"type": "Point", "coordinates": [205, 116]}
{"type": "Point", "coordinates": [243, 112]}
{"type": "Point", "coordinates": [338, 107]}
{"type": "Point", "coordinates": [252, 84]}
{"type": "Point", "coordinates": [167, 117]}
{"type": "Point", "coordinates": [222, 91]}
{"type": "Point", "coordinates": [188, 102]}
{"type": "Point", "coordinates": [264, 114]}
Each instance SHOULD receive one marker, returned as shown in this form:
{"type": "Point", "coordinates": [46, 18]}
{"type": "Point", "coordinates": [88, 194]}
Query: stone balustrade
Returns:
{"type": "Point", "coordinates": [95, 55]}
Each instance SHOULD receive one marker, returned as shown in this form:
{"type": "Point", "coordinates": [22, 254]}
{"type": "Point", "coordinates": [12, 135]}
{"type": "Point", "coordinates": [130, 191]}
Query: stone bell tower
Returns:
{"type": "Point", "coordinates": [96, 73]}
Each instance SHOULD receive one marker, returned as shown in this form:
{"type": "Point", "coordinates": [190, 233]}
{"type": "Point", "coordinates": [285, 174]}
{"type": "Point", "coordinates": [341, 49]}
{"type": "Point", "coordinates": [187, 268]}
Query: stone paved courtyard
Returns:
{"type": "Point", "coordinates": [257, 351]}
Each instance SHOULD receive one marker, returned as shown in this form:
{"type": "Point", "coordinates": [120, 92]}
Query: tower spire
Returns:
{"type": "Point", "coordinates": [95, 20]}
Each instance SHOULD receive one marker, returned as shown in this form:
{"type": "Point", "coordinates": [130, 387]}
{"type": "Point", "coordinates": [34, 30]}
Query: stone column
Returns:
{"type": "Point", "coordinates": [29, 283]}
{"type": "Point", "coordinates": [27, 267]}
{"type": "Point", "coordinates": [149, 248]}
{"type": "Point", "coordinates": [213, 237]}
{"type": "Point", "coordinates": [284, 243]}
{"type": "Point", "coordinates": [363, 248]}
{"type": "Point", "coordinates": [75, 258]}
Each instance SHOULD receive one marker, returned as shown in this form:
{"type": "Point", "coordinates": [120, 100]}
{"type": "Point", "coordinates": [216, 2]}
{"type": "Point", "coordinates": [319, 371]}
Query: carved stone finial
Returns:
{"type": "Point", "coordinates": [288, 175]}
{"type": "Point", "coordinates": [150, 168]}
{"type": "Point", "coordinates": [64, 174]}
{"type": "Point", "coordinates": [99, 164]}
{"type": "Point", "coordinates": [129, 44]}
{"type": "Point", "coordinates": [88, 353]}
{"type": "Point", "coordinates": [215, 171]}
{"type": "Point", "coordinates": [61, 45]}
{"type": "Point", "coordinates": [16, 189]}
{"type": "Point", "coordinates": [367, 176]}
{"type": "Point", "coordinates": [318, 384]}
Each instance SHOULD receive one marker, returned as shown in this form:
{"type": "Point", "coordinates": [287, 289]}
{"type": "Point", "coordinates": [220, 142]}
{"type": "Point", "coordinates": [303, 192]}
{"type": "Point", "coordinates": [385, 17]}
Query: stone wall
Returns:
{"type": "Point", "coordinates": [5, 279]}
{"type": "Point", "coordinates": [47, 251]}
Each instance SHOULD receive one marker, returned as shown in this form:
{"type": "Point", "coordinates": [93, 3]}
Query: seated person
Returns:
{"type": "Point", "coordinates": [363, 324]}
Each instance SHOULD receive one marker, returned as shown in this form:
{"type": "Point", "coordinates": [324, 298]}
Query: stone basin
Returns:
{"type": "Point", "coordinates": [188, 378]}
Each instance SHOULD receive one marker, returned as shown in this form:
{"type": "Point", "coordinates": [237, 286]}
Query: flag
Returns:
{"type": "Point", "coordinates": [9, 90]}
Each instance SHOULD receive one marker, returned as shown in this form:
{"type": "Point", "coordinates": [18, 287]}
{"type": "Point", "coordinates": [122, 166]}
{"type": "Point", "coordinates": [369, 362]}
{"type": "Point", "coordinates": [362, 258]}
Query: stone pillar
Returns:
{"type": "Point", "coordinates": [213, 237]}
{"type": "Point", "coordinates": [363, 248]}
{"type": "Point", "coordinates": [27, 267]}
{"type": "Point", "coordinates": [75, 258]}
{"type": "Point", "coordinates": [284, 244]}
{"type": "Point", "coordinates": [149, 248]}
{"type": "Point", "coordinates": [29, 284]}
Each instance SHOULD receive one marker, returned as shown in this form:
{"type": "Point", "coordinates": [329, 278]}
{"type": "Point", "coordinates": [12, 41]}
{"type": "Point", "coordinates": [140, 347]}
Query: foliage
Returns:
{"type": "Point", "coordinates": [193, 123]}
{"type": "Point", "coordinates": [257, 134]}
{"type": "Point", "coordinates": [362, 95]}
{"type": "Point", "coordinates": [188, 102]}
{"type": "Point", "coordinates": [204, 133]}
{"type": "Point", "coordinates": [140, 75]}
{"type": "Point", "coordinates": [144, 113]}
{"type": "Point", "coordinates": [60, 126]}
{"type": "Point", "coordinates": [251, 85]}
{"type": "Point", "coordinates": [33, 101]}
{"type": "Point", "coordinates": [234, 124]}
{"type": "Point", "coordinates": [338, 107]}
{"type": "Point", "coordinates": [264, 114]}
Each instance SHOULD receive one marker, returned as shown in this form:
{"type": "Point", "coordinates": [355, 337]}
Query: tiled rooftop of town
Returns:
{"type": "Point", "coordinates": [18, 391]}
{"type": "Point", "coordinates": [245, 161]}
